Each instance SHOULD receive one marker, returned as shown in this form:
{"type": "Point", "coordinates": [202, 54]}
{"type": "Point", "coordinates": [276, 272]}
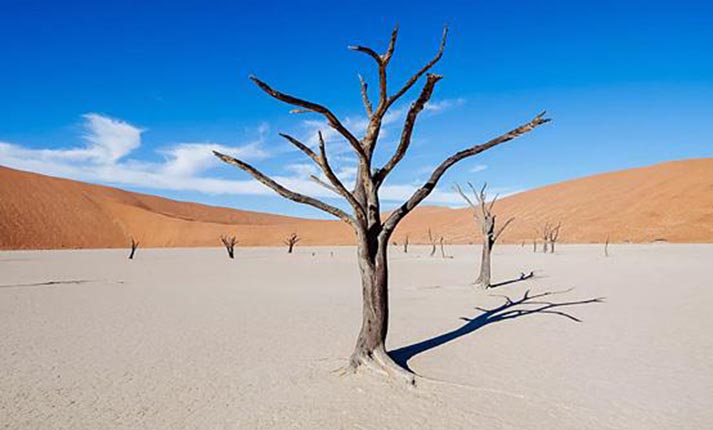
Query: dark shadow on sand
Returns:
{"type": "Point", "coordinates": [511, 309]}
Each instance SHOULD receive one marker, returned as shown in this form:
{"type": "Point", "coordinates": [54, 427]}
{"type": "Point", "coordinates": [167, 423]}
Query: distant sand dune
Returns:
{"type": "Point", "coordinates": [667, 202]}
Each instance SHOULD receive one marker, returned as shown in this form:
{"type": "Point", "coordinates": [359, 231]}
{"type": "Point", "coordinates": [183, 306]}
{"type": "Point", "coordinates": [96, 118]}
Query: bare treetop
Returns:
{"type": "Point", "coordinates": [370, 178]}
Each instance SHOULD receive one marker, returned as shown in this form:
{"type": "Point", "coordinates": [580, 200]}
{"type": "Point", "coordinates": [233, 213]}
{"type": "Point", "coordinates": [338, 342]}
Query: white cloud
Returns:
{"type": "Point", "coordinates": [105, 159]}
{"type": "Point", "coordinates": [445, 104]}
{"type": "Point", "coordinates": [109, 139]}
{"type": "Point", "coordinates": [108, 145]}
{"type": "Point", "coordinates": [477, 168]}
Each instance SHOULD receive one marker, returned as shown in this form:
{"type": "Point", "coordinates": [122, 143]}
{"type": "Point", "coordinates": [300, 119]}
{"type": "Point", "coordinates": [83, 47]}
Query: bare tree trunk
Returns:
{"type": "Point", "coordinates": [534, 245]}
{"type": "Point", "coordinates": [552, 247]}
{"type": "Point", "coordinates": [606, 247]}
{"type": "Point", "coordinates": [433, 243]}
{"type": "Point", "coordinates": [544, 246]}
{"type": "Point", "coordinates": [406, 245]}
{"type": "Point", "coordinates": [483, 279]}
{"type": "Point", "coordinates": [370, 345]}
{"type": "Point", "coordinates": [443, 250]}
{"type": "Point", "coordinates": [134, 246]}
{"type": "Point", "coordinates": [289, 247]}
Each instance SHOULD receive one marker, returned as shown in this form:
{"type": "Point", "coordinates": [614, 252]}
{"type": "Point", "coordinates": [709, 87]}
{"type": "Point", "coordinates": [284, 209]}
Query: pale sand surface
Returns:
{"type": "Point", "coordinates": [187, 339]}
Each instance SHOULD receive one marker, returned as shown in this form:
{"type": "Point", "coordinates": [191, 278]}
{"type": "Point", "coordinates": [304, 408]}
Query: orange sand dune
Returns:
{"type": "Point", "coordinates": [671, 201]}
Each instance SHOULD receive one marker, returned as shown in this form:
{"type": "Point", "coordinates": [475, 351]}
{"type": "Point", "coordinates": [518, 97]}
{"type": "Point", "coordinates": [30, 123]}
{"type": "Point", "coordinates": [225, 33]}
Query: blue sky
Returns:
{"type": "Point", "coordinates": [135, 94]}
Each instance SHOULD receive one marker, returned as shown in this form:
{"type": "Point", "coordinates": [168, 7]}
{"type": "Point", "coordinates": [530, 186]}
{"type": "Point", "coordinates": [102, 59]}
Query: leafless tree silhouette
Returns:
{"type": "Point", "coordinates": [432, 241]}
{"type": "Point", "coordinates": [606, 247]}
{"type": "Point", "coordinates": [552, 232]}
{"type": "Point", "coordinates": [483, 213]}
{"type": "Point", "coordinates": [441, 243]}
{"type": "Point", "coordinates": [291, 241]}
{"type": "Point", "coordinates": [134, 247]}
{"type": "Point", "coordinates": [406, 244]}
{"type": "Point", "coordinates": [229, 243]}
{"type": "Point", "coordinates": [373, 232]}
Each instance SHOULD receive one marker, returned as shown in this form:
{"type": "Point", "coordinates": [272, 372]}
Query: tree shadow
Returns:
{"type": "Point", "coordinates": [527, 305]}
{"type": "Point", "coordinates": [523, 277]}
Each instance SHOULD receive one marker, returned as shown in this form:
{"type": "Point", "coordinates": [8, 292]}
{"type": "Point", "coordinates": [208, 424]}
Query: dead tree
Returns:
{"type": "Point", "coordinates": [406, 245]}
{"type": "Point", "coordinates": [432, 241]}
{"type": "Point", "coordinates": [229, 243]}
{"type": "Point", "coordinates": [134, 247]}
{"type": "Point", "coordinates": [606, 247]}
{"type": "Point", "coordinates": [291, 241]}
{"type": "Point", "coordinates": [550, 234]}
{"type": "Point", "coordinates": [483, 213]}
{"type": "Point", "coordinates": [554, 235]}
{"type": "Point", "coordinates": [371, 231]}
{"type": "Point", "coordinates": [534, 245]}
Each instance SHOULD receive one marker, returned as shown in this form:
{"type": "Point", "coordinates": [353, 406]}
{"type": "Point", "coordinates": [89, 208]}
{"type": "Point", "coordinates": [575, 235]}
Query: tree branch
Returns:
{"type": "Point", "coordinates": [503, 227]}
{"type": "Point", "coordinates": [392, 45]}
{"type": "Point", "coordinates": [421, 72]}
{"type": "Point", "coordinates": [382, 61]}
{"type": "Point", "coordinates": [332, 120]}
{"type": "Point", "coordinates": [339, 187]}
{"type": "Point", "coordinates": [302, 147]}
{"type": "Point", "coordinates": [330, 187]}
{"type": "Point", "coordinates": [284, 192]}
{"type": "Point", "coordinates": [365, 96]}
{"type": "Point", "coordinates": [465, 197]}
{"type": "Point", "coordinates": [430, 185]}
{"type": "Point", "coordinates": [409, 123]}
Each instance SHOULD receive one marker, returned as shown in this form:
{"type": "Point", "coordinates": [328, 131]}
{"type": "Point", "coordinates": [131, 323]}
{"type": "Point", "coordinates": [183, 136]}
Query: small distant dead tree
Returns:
{"type": "Point", "coordinates": [432, 241]}
{"type": "Point", "coordinates": [550, 234]}
{"type": "Point", "coordinates": [229, 243]}
{"type": "Point", "coordinates": [291, 241]}
{"type": "Point", "coordinates": [606, 247]}
{"type": "Point", "coordinates": [406, 245]}
{"type": "Point", "coordinates": [534, 245]}
{"type": "Point", "coordinates": [441, 242]}
{"type": "Point", "coordinates": [134, 247]}
{"type": "Point", "coordinates": [371, 231]}
{"type": "Point", "coordinates": [483, 213]}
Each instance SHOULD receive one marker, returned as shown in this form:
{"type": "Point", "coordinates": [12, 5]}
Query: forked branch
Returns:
{"type": "Point", "coordinates": [409, 123]}
{"type": "Point", "coordinates": [284, 192]}
{"type": "Point", "coordinates": [426, 189]}
{"type": "Point", "coordinates": [332, 119]}
{"type": "Point", "coordinates": [413, 79]}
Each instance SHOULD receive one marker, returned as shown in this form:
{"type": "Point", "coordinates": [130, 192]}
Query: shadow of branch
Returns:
{"type": "Point", "coordinates": [523, 277]}
{"type": "Point", "coordinates": [511, 309]}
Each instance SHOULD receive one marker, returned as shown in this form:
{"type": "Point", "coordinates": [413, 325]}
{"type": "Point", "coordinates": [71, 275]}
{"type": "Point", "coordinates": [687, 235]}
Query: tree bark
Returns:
{"type": "Point", "coordinates": [484, 277]}
{"type": "Point", "coordinates": [375, 306]}
{"type": "Point", "coordinates": [370, 349]}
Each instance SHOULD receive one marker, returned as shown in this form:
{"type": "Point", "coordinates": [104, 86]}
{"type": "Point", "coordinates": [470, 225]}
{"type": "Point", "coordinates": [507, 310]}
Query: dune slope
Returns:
{"type": "Point", "coordinates": [671, 201]}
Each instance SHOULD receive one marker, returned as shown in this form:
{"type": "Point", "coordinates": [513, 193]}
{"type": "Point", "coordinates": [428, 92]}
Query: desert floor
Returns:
{"type": "Point", "coordinates": [185, 338]}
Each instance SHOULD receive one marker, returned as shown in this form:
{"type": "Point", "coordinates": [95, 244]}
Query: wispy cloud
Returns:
{"type": "Point", "coordinates": [478, 168]}
{"type": "Point", "coordinates": [105, 158]}
{"type": "Point", "coordinates": [107, 155]}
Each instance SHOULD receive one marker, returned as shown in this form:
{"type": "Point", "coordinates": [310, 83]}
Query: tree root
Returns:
{"type": "Point", "coordinates": [379, 362]}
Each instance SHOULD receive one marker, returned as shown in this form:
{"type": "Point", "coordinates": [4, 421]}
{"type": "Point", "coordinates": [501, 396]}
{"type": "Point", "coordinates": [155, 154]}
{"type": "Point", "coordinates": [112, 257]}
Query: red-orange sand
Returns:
{"type": "Point", "coordinates": [671, 201]}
